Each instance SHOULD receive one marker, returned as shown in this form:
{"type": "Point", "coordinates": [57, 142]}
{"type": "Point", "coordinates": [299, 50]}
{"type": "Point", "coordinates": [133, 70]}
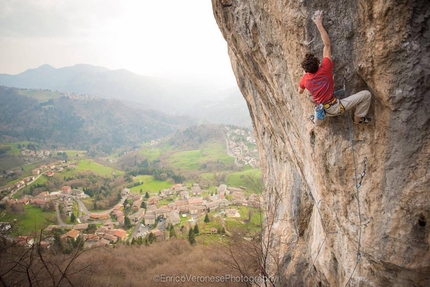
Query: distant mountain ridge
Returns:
{"type": "Point", "coordinates": [147, 92]}
{"type": "Point", "coordinates": [80, 122]}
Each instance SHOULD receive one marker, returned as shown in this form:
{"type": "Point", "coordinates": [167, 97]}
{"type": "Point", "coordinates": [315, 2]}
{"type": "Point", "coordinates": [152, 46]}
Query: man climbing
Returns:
{"type": "Point", "coordinates": [318, 80]}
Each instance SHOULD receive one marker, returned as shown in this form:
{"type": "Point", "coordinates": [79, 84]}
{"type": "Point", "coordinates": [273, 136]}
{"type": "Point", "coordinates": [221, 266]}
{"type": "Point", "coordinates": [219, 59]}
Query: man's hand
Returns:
{"type": "Point", "coordinates": [318, 18]}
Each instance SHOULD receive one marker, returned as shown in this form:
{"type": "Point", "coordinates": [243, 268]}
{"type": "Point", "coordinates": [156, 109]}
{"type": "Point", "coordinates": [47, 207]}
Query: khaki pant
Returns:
{"type": "Point", "coordinates": [361, 102]}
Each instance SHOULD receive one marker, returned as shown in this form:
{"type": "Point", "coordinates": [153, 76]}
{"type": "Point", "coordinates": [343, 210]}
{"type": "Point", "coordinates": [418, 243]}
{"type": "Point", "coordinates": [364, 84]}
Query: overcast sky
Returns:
{"type": "Point", "coordinates": [169, 38]}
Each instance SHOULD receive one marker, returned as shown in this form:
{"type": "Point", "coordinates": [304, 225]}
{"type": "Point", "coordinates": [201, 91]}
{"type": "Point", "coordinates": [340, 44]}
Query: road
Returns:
{"type": "Point", "coordinates": [83, 209]}
{"type": "Point", "coordinates": [59, 220]}
{"type": "Point", "coordinates": [140, 230]}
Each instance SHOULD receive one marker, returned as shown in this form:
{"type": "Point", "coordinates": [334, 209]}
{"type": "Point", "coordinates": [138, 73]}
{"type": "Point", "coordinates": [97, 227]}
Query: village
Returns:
{"type": "Point", "coordinates": [136, 215]}
{"type": "Point", "coordinates": [109, 227]}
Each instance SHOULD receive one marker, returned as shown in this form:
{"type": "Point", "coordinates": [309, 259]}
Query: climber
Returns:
{"type": "Point", "coordinates": [224, 3]}
{"type": "Point", "coordinates": [318, 80]}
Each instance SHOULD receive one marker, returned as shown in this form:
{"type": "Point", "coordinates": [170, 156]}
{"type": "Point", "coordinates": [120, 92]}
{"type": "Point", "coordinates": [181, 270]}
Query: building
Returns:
{"type": "Point", "coordinates": [120, 234]}
{"type": "Point", "coordinates": [72, 234]}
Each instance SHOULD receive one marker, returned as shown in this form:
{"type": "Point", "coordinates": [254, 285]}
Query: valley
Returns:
{"type": "Point", "coordinates": [145, 194]}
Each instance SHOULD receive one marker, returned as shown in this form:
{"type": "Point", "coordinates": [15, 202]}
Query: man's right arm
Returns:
{"type": "Point", "coordinates": [324, 36]}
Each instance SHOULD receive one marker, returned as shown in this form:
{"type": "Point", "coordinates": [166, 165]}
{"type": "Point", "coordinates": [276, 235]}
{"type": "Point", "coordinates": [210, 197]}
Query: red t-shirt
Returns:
{"type": "Point", "coordinates": [320, 84]}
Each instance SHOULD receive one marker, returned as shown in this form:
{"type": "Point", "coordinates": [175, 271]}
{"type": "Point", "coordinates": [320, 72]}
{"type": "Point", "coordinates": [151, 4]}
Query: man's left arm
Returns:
{"type": "Point", "coordinates": [301, 90]}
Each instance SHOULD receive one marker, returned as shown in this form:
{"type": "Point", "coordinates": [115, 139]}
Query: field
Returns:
{"type": "Point", "coordinates": [239, 178]}
{"type": "Point", "coordinates": [41, 180]}
{"type": "Point", "coordinates": [30, 221]}
{"type": "Point", "coordinates": [194, 159]}
{"type": "Point", "coordinates": [89, 165]}
{"type": "Point", "coordinates": [149, 184]}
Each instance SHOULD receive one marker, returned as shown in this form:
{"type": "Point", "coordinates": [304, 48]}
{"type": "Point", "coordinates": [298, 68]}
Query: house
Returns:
{"type": "Point", "coordinates": [66, 189]}
{"type": "Point", "coordinates": [214, 230]}
{"type": "Point", "coordinates": [136, 205]}
{"type": "Point", "coordinates": [73, 234]}
{"type": "Point", "coordinates": [222, 189]}
{"type": "Point", "coordinates": [99, 216]}
{"type": "Point", "coordinates": [39, 202]}
{"type": "Point", "coordinates": [49, 173]}
{"type": "Point", "coordinates": [121, 219]}
{"type": "Point", "coordinates": [117, 213]}
{"type": "Point", "coordinates": [22, 201]}
{"type": "Point", "coordinates": [184, 195]}
{"type": "Point", "coordinates": [5, 226]}
{"type": "Point", "coordinates": [103, 242]}
{"type": "Point", "coordinates": [177, 187]}
{"type": "Point", "coordinates": [81, 226]}
{"type": "Point", "coordinates": [149, 217]}
{"type": "Point", "coordinates": [173, 217]}
{"type": "Point", "coordinates": [153, 200]}
{"type": "Point", "coordinates": [120, 234]}
{"type": "Point", "coordinates": [238, 195]}
{"type": "Point", "coordinates": [101, 231]}
{"type": "Point", "coordinates": [54, 194]}
{"type": "Point", "coordinates": [196, 190]}
{"type": "Point", "coordinates": [20, 183]}
{"type": "Point", "coordinates": [110, 237]}
{"type": "Point", "coordinates": [35, 171]}
{"type": "Point", "coordinates": [26, 241]}
{"type": "Point", "coordinates": [156, 232]}
{"type": "Point", "coordinates": [91, 237]}
{"type": "Point", "coordinates": [180, 203]}
{"type": "Point", "coordinates": [138, 216]}
{"type": "Point", "coordinates": [193, 210]}
{"type": "Point", "coordinates": [195, 201]}
{"type": "Point", "coordinates": [119, 206]}
{"type": "Point", "coordinates": [212, 205]}
{"type": "Point", "coordinates": [183, 209]}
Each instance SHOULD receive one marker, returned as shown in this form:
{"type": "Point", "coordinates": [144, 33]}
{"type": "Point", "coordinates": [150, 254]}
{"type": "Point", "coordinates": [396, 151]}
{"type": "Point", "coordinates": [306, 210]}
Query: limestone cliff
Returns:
{"type": "Point", "coordinates": [318, 215]}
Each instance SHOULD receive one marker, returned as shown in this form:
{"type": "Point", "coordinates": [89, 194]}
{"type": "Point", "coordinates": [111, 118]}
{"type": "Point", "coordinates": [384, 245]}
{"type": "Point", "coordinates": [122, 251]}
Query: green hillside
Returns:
{"type": "Point", "coordinates": [78, 121]}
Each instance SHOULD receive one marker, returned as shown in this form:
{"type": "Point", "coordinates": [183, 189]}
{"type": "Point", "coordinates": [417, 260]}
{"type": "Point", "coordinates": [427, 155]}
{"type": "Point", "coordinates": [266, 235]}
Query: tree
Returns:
{"type": "Point", "coordinates": [143, 204]}
{"type": "Point", "coordinates": [146, 195]}
{"type": "Point", "coordinates": [206, 220]}
{"type": "Point", "coordinates": [191, 237]}
{"type": "Point", "coordinates": [127, 222]}
{"type": "Point", "coordinates": [72, 218]}
{"type": "Point", "coordinates": [196, 229]}
{"type": "Point", "coordinates": [172, 233]}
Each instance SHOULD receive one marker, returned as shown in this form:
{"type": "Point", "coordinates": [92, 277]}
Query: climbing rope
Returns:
{"type": "Point", "coordinates": [358, 183]}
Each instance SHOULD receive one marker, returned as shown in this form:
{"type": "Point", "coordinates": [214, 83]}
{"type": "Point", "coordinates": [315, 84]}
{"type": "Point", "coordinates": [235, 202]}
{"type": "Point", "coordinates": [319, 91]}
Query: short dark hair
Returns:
{"type": "Point", "coordinates": [310, 63]}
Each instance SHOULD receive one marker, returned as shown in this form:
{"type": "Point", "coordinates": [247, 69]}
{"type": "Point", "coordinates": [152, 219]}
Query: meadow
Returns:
{"type": "Point", "coordinates": [31, 220]}
{"type": "Point", "coordinates": [89, 165]}
{"type": "Point", "coordinates": [149, 184]}
{"type": "Point", "coordinates": [194, 159]}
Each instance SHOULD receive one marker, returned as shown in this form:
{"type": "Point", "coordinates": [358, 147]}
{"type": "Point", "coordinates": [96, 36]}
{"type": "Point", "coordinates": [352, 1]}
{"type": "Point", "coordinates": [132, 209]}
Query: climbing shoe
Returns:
{"type": "Point", "coordinates": [363, 121]}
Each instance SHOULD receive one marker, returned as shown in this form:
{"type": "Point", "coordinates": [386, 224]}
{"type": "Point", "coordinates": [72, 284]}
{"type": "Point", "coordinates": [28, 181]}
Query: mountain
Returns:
{"type": "Point", "coordinates": [150, 93]}
{"type": "Point", "coordinates": [345, 204]}
{"type": "Point", "coordinates": [83, 122]}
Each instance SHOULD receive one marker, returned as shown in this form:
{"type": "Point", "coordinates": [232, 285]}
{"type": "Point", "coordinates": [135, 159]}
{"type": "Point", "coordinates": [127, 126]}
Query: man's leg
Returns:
{"type": "Point", "coordinates": [361, 101]}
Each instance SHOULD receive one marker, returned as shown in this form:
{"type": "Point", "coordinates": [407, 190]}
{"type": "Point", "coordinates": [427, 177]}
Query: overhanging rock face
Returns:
{"type": "Point", "coordinates": [318, 216]}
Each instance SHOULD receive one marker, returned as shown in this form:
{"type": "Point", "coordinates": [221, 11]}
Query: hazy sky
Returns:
{"type": "Point", "coordinates": [169, 38]}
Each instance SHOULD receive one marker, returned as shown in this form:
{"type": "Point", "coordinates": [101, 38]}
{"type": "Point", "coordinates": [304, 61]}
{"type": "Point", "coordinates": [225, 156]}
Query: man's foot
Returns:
{"type": "Point", "coordinates": [362, 121]}
{"type": "Point", "coordinates": [224, 3]}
